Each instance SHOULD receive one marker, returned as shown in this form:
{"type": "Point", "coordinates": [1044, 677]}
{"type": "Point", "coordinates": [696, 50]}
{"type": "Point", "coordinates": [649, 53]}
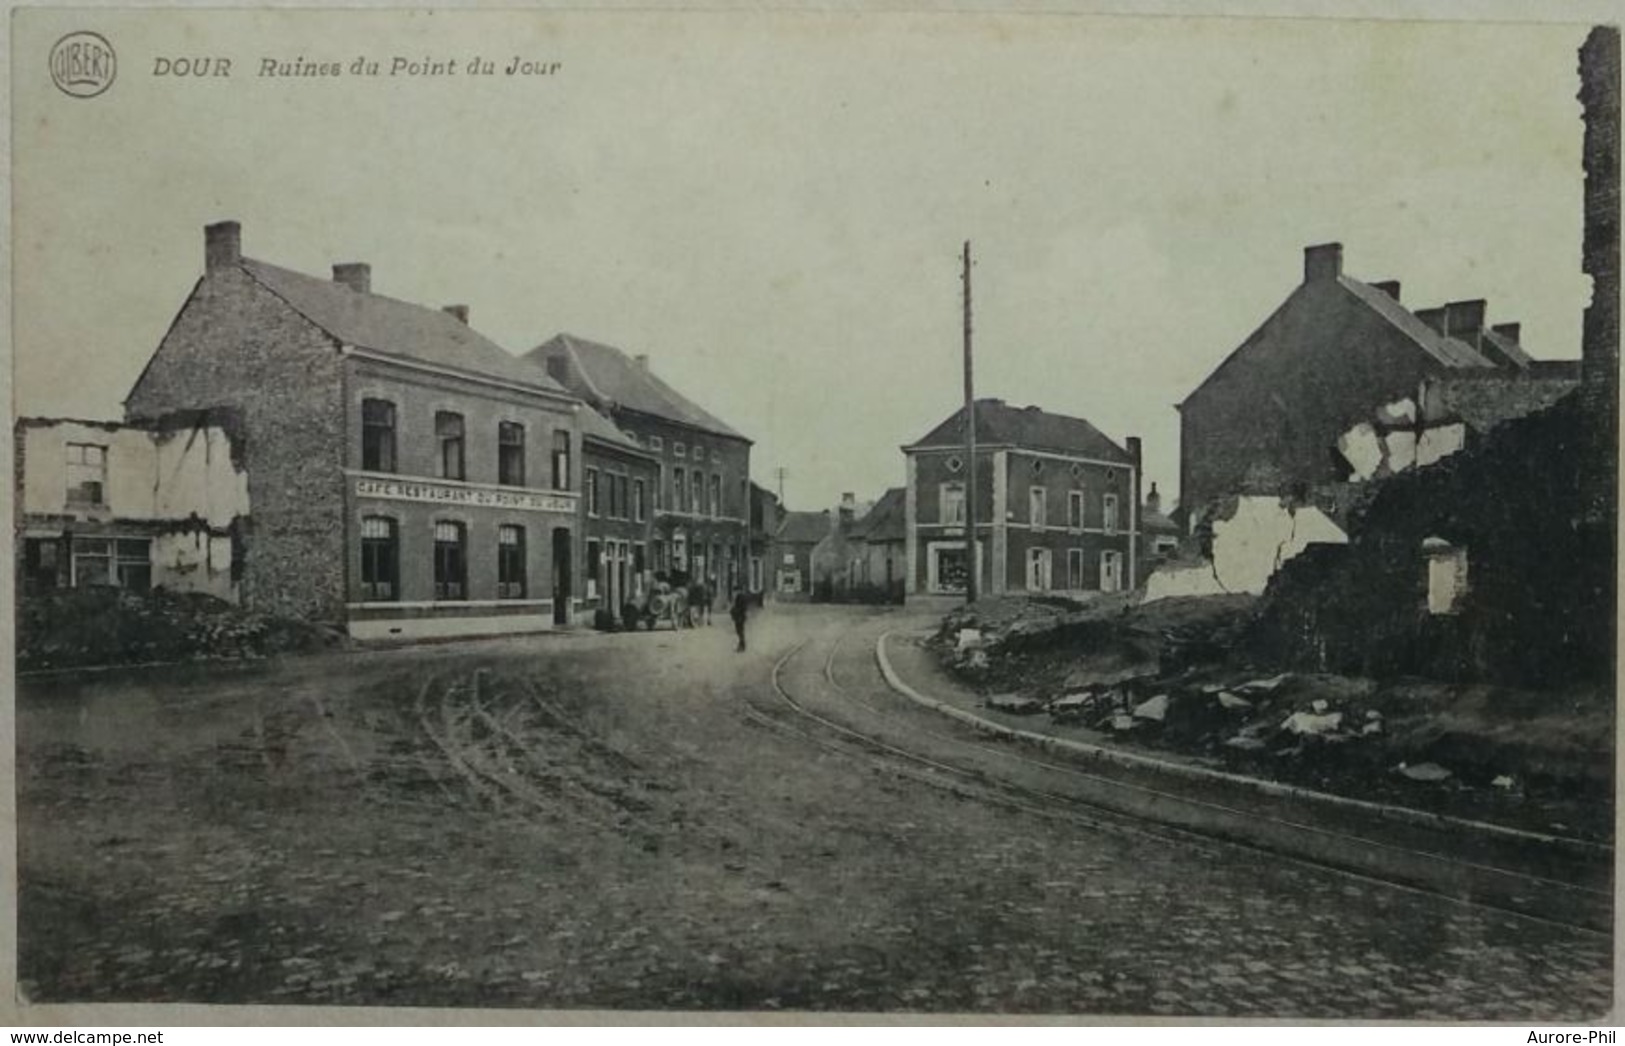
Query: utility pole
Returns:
{"type": "Point", "coordinates": [972, 571]}
{"type": "Point", "coordinates": [779, 473]}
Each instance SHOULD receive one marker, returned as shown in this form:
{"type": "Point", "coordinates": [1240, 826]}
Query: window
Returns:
{"type": "Point", "coordinates": [953, 504]}
{"type": "Point", "coordinates": [378, 435]}
{"type": "Point", "coordinates": [955, 463]}
{"type": "Point", "coordinates": [1447, 575]}
{"type": "Point", "coordinates": [640, 509]}
{"type": "Point", "coordinates": [1037, 502]}
{"type": "Point", "coordinates": [679, 490]}
{"type": "Point", "coordinates": [380, 559]}
{"type": "Point", "coordinates": [716, 495]}
{"type": "Point", "coordinates": [510, 562]}
{"type": "Point", "coordinates": [511, 454]}
{"type": "Point", "coordinates": [594, 568]}
{"type": "Point", "coordinates": [677, 448]}
{"type": "Point", "coordinates": [698, 481]}
{"type": "Point", "coordinates": [614, 506]}
{"type": "Point", "coordinates": [1074, 509]}
{"type": "Point", "coordinates": [660, 490]}
{"type": "Point", "coordinates": [590, 482]}
{"type": "Point", "coordinates": [1038, 466]}
{"type": "Point", "coordinates": [448, 429]}
{"type": "Point", "coordinates": [624, 484]}
{"type": "Point", "coordinates": [1108, 512]}
{"type": "Point", "coordinates": [561, 459]}
{"type": "Point", "coordinates": [450, 561]}
{"type": "Point", "coordinates": [87, 474]}
{"type": "Point", "coordinates": [125, 562]}
{"type": "Point", "coordinates": [699, 452]}
{"type": "Point", "coordinates": [1074, 568]}
{"type": "Point", "coordinates": [656, 443]}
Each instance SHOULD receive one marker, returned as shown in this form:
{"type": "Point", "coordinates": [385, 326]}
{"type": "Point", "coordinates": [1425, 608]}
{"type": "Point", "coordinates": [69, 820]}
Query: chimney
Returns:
{"type": "Point", "coordinates": [222, 245]}
{"type": "Point", "coordinates": [1434, 318]}
{"type": "Point", "coordinates": [1388, 287]}
{"type": "Point", "coordinates": [1464, 320]}
{"type": "Point", "coordinates": [459, 311]}
{"type": "Point", "coordinates": [355, 275]}
{"type": "Point", "coordinates": [642, 360]}
{"type": "Point", "coordinates": [1322, 262]}
{"type": "Point", "coordinates": [1153, 500]}
{"type": "Point", "coordinates": [1509, 331]}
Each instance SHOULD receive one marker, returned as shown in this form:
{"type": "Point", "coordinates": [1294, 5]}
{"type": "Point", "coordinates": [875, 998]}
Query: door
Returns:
{"type": "Point", "coordinates": [561, 575]}
{"type": "Point", "coordinates": [1111, 571]}
{"type": "Point", "coordinates": [1038, 569]}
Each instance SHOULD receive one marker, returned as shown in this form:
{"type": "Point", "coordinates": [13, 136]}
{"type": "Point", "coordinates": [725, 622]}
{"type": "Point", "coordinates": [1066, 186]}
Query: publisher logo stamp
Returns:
{"type": "Point", "coordinates": [83, 64]}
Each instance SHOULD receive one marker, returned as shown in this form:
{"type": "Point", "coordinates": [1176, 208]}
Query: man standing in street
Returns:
{"type": "Point", "coordinates": [738, 612]}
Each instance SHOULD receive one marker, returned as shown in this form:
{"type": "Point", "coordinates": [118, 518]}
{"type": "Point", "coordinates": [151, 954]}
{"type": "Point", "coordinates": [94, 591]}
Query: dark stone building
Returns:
{"type": "Point", "coordinates": [403, 469]}
{"type": "Point", "coordinates": [617, 504]}
{"type": "Point", "coordinates": [702, 493]}
{"type": "Point", "coordinates": [1266, 421]}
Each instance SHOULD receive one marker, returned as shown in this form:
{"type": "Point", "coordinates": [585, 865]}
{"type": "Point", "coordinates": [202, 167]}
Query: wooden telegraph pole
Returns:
{"type": "Point", "coordinates": [972, 573]}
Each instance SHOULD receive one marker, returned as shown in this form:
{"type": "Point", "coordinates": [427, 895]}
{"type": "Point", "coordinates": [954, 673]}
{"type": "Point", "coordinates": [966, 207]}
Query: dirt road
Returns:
{"type": "Point", "coordinates": [601, 821]}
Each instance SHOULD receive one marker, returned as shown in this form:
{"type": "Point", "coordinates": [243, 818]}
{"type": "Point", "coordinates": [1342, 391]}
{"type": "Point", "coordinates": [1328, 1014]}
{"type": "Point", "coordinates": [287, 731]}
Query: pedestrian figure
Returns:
{"type": "Point", "coordinates": [741, 608]}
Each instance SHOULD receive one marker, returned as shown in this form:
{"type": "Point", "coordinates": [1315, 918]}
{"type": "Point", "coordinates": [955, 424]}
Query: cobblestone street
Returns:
{"type": "Point", "coordinates": [596, 821]}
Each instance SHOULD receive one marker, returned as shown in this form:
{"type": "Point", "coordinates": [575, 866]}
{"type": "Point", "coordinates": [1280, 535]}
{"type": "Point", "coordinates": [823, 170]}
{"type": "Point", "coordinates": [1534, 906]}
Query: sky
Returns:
{"type": "Point", "coordinates": [772, 206]}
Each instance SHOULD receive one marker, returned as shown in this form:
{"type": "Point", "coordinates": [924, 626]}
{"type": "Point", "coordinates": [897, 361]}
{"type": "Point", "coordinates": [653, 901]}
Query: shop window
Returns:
{"type": "Point", "coordinates": [510, 562]}
{"type": "Point", "coordinates": [380, 559]}
{"type": "Point", "coordinates": [87, 474]}
{"type": "Point", "coordinates": [450, 561]}
{"type": "Point", "coordinates": [448, 430]}
{"type": "Point", "coordinates": [378, 435]}
{"type": "Point", "coordinates": [561, 459]}
{"type": "Point", "coordinates": [511, 454]}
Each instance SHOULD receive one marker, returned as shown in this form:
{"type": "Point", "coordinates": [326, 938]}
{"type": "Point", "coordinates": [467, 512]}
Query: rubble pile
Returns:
{"type": "Point", "coordinates": [90, 626]}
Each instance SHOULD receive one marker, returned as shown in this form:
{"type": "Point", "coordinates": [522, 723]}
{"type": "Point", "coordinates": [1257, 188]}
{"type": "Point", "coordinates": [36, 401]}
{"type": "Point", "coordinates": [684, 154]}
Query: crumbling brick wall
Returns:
{"type": "Point", "coordinates": [235, 344]}
{"type": "Point", "coordinates": [1532, 614]}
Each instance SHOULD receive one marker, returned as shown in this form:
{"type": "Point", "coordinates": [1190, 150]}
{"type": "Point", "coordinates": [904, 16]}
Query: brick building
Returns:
{"type": "Point", "coordinates": [766, 515]}
{"type": "Point", "coordinates": [617, 501]}
{"type": "Point", "coordinates": [163, 504]}
{"type": "Point", "coordinates": [1056, 504]}
{"type": "Point", "coordinates": [408, 476]}
{"type": "Point", "coordinates": [880, 544]}
{"type": "Point", "coordinates": [701, 498]}
{"type": "Point", "coordinates": [799, 533]}
{"type": "Point", "coordinates": [1266, 420]}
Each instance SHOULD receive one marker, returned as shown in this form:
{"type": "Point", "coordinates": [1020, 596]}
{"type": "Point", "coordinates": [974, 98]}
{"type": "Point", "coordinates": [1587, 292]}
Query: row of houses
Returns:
{"type": "Point", "coordinates": [310, 447]}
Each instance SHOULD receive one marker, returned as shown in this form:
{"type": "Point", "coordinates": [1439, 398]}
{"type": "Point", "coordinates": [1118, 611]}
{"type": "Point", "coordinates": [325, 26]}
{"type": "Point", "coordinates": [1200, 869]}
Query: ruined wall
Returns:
{"type": "Point", "coordinates": [1252, 538]}
{"type": "Point", "coordinates": [236, 344]}
{"type": "Point", "coordinates": [1531, 615]}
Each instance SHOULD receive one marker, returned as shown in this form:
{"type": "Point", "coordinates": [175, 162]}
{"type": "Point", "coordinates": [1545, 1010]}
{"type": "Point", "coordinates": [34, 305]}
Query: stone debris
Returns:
{"type": "Point", "coordinates": [1320, 705]}
{"type": "Point", "coordinates": [1505, 782]}
{"type": "Point", "coordinates": [1230, 701]}
{"type": "Point", "coordinates": [1154, 708]}
{"type": "Point", "coordinates": [1265, 686]}
{"type": "Point", "coordinates": [968, 637]}
{"type": "Point", "coordinates": [1244, 742]}
{"type": "Point", "coordinates": [1015, 704]}
{"type": "Point", "coordinates": [1120, 721]}
{"type": "Point", "coordinates": [1313, 724]}
{"type": "Point", "coordinates": [1428, 772]}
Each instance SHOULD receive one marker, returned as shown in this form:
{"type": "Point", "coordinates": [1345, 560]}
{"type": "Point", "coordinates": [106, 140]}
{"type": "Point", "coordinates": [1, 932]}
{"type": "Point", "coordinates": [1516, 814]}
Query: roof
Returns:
{"type": "Point", "coordinates": [809, 527]}
{"type": "Point", "coordinates": [885, 521]}
{"type": "Point", "coordinates": [395, 328]}
{"type": "Point", "coordinates": [1509, 348]}
{"type": "Point", "coordinates": [612, 378]}
{"type": "Point", "coordinates": [595, 426]}
{"type": "Point", "coordinates": [1030, 427]}
{"type": "Point", "coordinates": [1447, 351]}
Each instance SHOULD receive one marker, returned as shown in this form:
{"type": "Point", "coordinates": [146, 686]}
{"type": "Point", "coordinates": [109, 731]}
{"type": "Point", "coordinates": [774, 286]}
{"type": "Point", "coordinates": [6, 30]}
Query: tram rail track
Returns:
{"type": "Point", "coordinates": [1106, 803]}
